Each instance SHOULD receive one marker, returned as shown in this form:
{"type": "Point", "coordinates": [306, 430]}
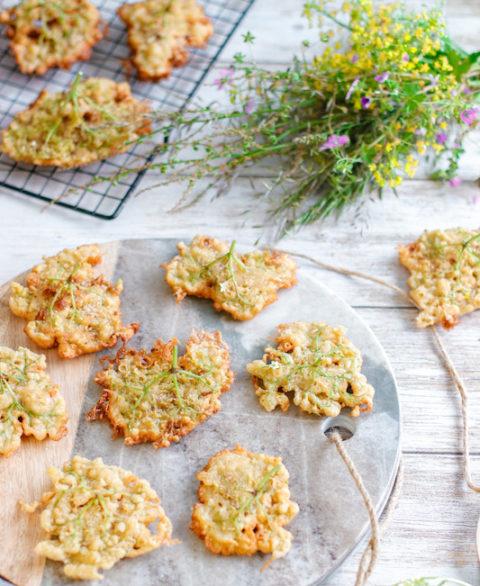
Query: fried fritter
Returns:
{"type": "Point", "coordinates": [93, 120]}
{"type": "Point", "coordinates": [52, 34]}
{"type": "Point", "coordinates": [241, 285]}
{"type": "Point", "coordinates": [445, 275]}
{"type": "Point", "coordinates": [30, 404]}
{"type": "Point", "coordinates": [319, 365]}
{"type": "Point", "coordinates": [97, 515]}
{"type": "Point", "coordinates": [244, 504]}
{"type": "Point", "coordinates": [158, 396]}
{"type": "Point", "coordinates": [160, 31]}
{"type": "Point", "coordinates": [67, 305]}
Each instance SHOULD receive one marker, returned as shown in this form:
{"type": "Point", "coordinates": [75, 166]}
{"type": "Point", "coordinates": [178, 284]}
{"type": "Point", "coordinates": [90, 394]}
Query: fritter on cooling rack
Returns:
{"type": "Point", "coordinates": [96, 515]}
{"type": "Point", "coordinates": [30, 404]}
{"type": "Point", "coordinates": [244, 504]}
{"type": "Point", "coordinates": [45, 34]}
{"type": "Point", "coordinates": [158, 396]}
{"type": "Point", "coordinates": [445, 275]}
{"type": "Point", "coordinates": [66, 304]}
{"type": "Point", "coordinates": [240, 284]}
{"type": "Point", "coordinates": [94, 119]}
{"type": "Point", "coordinates": [160, 32]}
{"type": "Point", "coordinates": [319, 365]}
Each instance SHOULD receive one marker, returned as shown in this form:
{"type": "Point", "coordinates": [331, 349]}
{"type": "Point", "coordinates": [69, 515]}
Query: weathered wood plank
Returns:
{"type": "Point", "coordinates": [433, 529]}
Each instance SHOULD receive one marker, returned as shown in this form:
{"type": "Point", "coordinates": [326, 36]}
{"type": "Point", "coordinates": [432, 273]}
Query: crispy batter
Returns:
{"type": "Point", "coordinates": [52, 34]}
{"type": "Point", "coordinates": [97, 515]}
{"type": "Point", "coordinates": [244, 504]}
{"type": "Point", "coordinates": [241, 285]}
{"type": "Point", "coordinates": [30, 404]}
{"type": "Point", "coordinates": [67, 305]}
{"type": "Point", "coordinates": [93, 120]}
{"type": "Point", "coordinates": [319, 365]}
{"type": "Point", "coordinates": [160, 31]}
{"type": "Point", "coordinates": [445, 275]}
{"type": "Point", "coordinates": [157, 396]}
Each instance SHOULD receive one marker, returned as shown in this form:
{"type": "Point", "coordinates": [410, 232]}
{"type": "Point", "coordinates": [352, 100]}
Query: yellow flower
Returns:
{"type": "Point", "coordinates": [395, 181]}
{"type": "Point", "coordinates": [379, 179]}
{"type": "Point", "coordinates": [394, 164]}
{"type": "Point", "coordinates": [421, 147]}
{"type": "Point", "coordinates": [411, 166]}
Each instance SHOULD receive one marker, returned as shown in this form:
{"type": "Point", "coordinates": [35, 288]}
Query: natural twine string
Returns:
{"type": "Point", "coordinates": [350, 273]}
{"type": "Point", "coordinates": [370, 554]}
{"type": "Point", "coordinates": [460, 386]}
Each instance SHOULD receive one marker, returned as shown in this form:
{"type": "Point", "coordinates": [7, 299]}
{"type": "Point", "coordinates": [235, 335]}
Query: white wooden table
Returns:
{"type": "Point", "coordinates": [433, 532]}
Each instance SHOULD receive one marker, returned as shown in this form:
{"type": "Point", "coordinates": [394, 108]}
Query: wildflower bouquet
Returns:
{"type": "Point", "coordinates": [357, 117]}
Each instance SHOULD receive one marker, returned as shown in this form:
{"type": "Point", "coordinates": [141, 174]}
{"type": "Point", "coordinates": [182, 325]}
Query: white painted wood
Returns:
{"type": "Point", "coordinates": [433, 531]}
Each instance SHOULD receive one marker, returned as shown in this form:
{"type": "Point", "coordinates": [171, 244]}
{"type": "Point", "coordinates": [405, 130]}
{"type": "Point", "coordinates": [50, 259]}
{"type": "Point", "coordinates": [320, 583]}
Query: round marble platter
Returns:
{"type": "Point", "coordinates": [332, 519]}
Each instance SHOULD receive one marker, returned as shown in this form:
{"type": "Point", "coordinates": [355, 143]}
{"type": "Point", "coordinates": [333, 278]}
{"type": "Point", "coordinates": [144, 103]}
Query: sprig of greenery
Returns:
{"type": "Point", "coordinates": [230, 259]}
{"type": "Point", "coordinates": [70, 97]}
{"type": "Point", "coordinates": [172, 373]}
{"type": "Point", "coordinates": [258, 492]}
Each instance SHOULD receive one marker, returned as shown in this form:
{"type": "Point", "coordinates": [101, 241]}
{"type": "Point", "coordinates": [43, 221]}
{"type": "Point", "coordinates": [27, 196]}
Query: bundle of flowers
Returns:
{"type": "Point", "coordinates": [389, 88]}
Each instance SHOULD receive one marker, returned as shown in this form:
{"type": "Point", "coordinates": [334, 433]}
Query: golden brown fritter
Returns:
{"type": "Point", "coordinates": [241, 285]}
{"type": "Point", "coordinates": [319, 365]}
{"type": "Point", "coordinates": [94, 119]}
{"type": "Point", "coordinates": [244, 504]}
{"type": "Point", "coordinates": [96, 515]}
{"type": "Point", "coordinates": [158, 396]}
{"type": "Point", "coordinates": [67, 305]}
{"type": "Point", "coordinates": [160, 32]}
{"type": "Point", "coordinates": [445, 275]}
{"type": "Point", "coordinates": [45, 34]}
{"type": "Point", "coordinates": [30, 404]}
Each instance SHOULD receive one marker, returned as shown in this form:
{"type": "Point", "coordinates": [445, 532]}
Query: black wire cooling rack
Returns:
{"type": "Point", "coordinates": [66, 188]}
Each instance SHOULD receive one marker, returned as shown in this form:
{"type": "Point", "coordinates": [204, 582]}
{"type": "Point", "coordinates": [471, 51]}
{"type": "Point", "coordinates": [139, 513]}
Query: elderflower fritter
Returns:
{"type": "Point", "coordinates": [244, 503]}
{"type": "Point", "coordinates": [95, 515]}
{"type": "Point", "coordinates": [67, 305]}
{"type": "Point", "coordinates": [30, 404]}
{"type": "Point", "coordinates": [94, 119]}
{"type": "Point", "coordinates": [51, 34]}
{"type": "Point", "coordinates": [445, 275]}
{"type": "Point", "coordinates": [159, 396]}
{"type": "Point", "coordinates": [160, 32]}
{"type": "Point", "coordinates": [318, 365]}
{"type": "Point", "coordinates": [240, 284]}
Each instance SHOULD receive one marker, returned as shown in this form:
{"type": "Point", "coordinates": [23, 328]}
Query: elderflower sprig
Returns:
{"type": "Point", "coordinates": [356, 118]}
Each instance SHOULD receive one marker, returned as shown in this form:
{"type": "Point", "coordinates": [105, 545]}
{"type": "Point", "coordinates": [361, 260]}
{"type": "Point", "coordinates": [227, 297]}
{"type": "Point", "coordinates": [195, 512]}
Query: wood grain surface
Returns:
{"type": "Point", "coordinates": [433, 530]}
{"type": "Point", "coordinates": [24, 474]}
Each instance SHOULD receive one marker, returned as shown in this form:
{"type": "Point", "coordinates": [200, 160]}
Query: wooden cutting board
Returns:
{"type": "Point", "coordinates": [24, 474]}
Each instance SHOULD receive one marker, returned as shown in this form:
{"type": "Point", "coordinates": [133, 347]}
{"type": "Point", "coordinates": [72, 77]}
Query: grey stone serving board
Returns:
{"type": "Point", "coordinates": [332, 520]}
